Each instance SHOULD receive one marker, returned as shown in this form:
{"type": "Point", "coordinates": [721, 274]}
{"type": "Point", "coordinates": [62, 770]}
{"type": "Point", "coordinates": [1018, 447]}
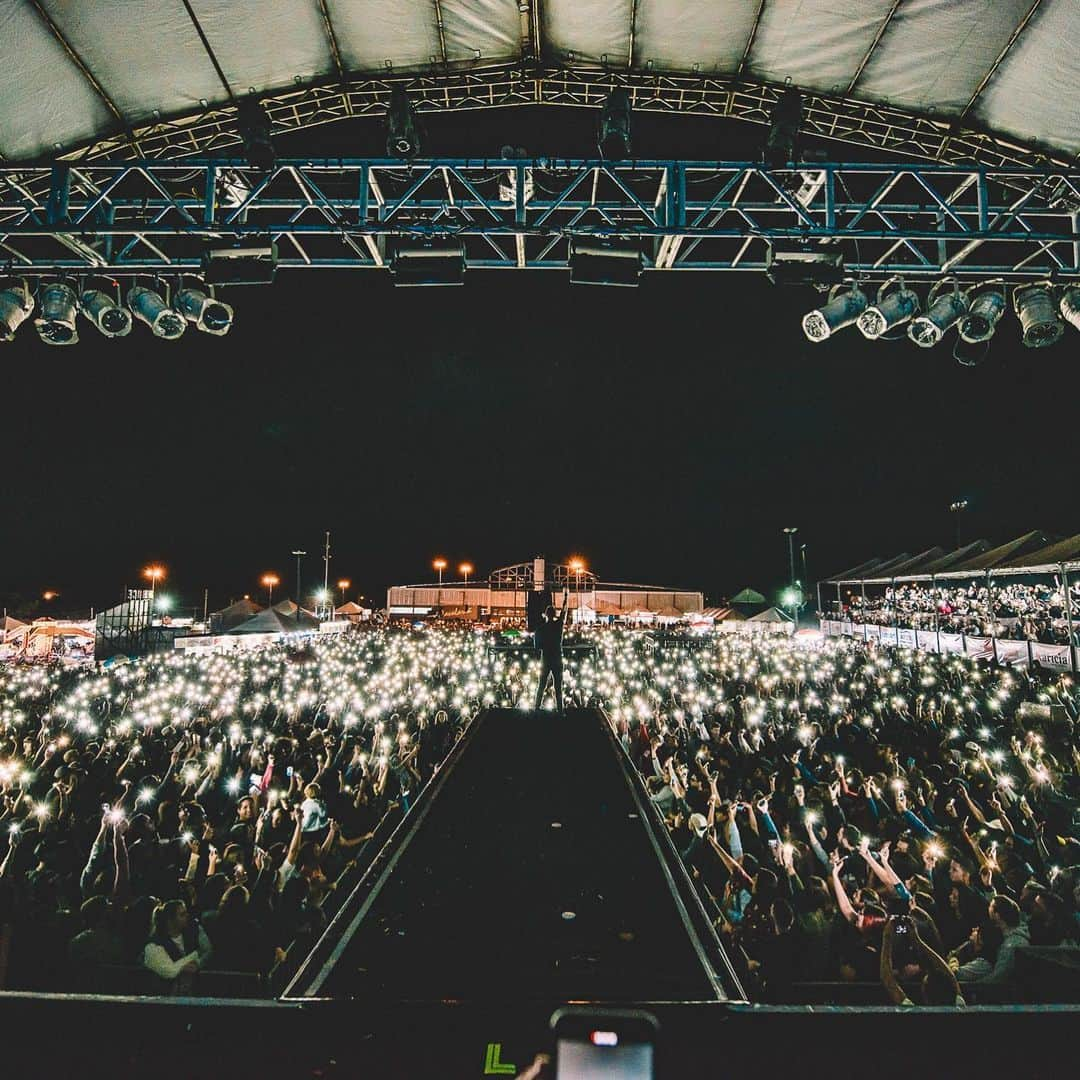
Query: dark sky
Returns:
{"type": "Point", "coordinates": [667, 433]}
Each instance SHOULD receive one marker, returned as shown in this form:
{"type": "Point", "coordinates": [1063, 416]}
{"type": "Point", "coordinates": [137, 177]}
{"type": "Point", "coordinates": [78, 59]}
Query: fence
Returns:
{"type": "Point", "coordinates": [1004, 650]}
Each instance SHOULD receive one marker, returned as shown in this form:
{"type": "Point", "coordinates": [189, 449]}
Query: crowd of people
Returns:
{"type": "Point", "coordinates": [1015, 610]}
{"type": "Point", "coordinates": [850, 813]}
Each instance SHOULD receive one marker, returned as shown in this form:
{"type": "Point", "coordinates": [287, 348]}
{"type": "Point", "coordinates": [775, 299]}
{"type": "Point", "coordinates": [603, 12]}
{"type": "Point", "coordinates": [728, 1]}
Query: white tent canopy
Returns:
{"type": "Point", "coordinates": [75, 72]}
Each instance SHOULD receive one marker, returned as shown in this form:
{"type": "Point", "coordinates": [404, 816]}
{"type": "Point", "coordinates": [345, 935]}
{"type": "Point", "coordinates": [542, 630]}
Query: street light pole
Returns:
{"type": "Point", "coordinates": [957, 508]}
{"type": "Point", "coordinates": [299, 555]}
{"type": "Point", "coordinates": [790, 533]}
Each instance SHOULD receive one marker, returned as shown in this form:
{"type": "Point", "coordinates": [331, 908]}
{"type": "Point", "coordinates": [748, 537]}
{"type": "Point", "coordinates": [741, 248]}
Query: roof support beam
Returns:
{"type": "Point", "coordinates": [1001, 56]}
{"type": "Point", "coordinates": [209, 51]}
{"type": "Point", "coordinates": [332, 41]}
{"type": "Point", "coordinates": [873, 46]}
{"type": "Point", "coordinates": [633, 31]}
{"type": "Point", "coordinates": [442, 31]}
{"type": "Point", "coordinates": [87, 74]}
{"type": "Point", "coordinates": [750, 39]}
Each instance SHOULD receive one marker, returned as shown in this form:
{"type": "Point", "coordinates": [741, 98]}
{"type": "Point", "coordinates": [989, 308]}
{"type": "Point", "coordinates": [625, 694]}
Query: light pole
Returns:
{"type": "Point", "coordinates": [790, 533]}
{"type": "Point", "coordinates": [343, 584]}
{"type": "Point", "coordinates": [466, 569]}
{"type": "Point", "coordinates": [440, 565]}
{"type": "Point", "coordinates": [155, 574]}
{"type": "Point", "coordinates": [299, 555]}
{"type": "Point", "coordinates": [957, 508]}
{"type": "Point", "coordinates": [269, 580]}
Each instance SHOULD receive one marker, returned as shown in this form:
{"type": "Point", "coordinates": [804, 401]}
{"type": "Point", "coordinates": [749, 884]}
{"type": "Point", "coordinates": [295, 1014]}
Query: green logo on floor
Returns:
{"type": "Point", "coordinates": [493, 1066]}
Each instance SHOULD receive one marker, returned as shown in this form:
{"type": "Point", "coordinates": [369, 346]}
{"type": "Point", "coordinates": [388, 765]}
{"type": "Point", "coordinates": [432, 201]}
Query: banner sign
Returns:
{"type": "Point", "coordinates": [1012, 652]}
{"type": "Point", "coordinates": [907, 639]}
{"type": "Point", "coordinates": [952, 643]}
{"type": "Point", "coordinates": [1058, 657]}
{"type": "Point", "coordinates": [979, 648]}
{"type": "Point", "coordinates": [927, 640]}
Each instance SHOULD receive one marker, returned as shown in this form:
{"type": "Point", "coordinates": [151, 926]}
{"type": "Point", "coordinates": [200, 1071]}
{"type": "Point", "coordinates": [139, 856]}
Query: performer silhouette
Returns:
{"type": "Point", "coordinates": [549, 636]}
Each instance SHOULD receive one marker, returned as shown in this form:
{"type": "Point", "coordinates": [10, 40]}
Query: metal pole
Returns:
{"type": "Point", "coordinates": [299, 555]}
{"type": "Point", "coordinates": [326, 568]}
{"type": "Point", "coordinates": [205, 603]}
{"type": "Point", "coordinates": [993, 620]}
{"type": "Point", "coordinates": [1068, 616]}
{"type": "Point", "coordinates": [933, 601]}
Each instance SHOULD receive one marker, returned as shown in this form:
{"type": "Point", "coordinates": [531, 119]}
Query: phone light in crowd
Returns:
{"type": "Point", "coordinates": [16, 306]}
{"type": "Point", "coordinates": [1038, 313]}
{"type": "Point", "coordinates": [41, 811]}
{"type": "Point", "coordinates": [145, 795]}
{"type": "Point", "coordinates": [210, 315]}
{"type": "Point", "coordinates": [843, 308]}
{"type": "Point", "coordinates": [811, 817]}
{"type": "Point", "coordinates": [149, 307]}
{"type": "Point", "coordinates": [944, 309]}
{"type": "Point", "coordinates": [56, 323]}
{"type": "Point", "coordinates": [106, 312]}
{"type": "Point", "coordinates": [895, 305]}
{"type": "Point", "coordinates": [233, 785]}
{"type": "Point", "coordinates": [163, 603]}
{"type": "Point", "coordinates": [13, 829]}
{"type": "Point", "coordinates": [603, 1038]}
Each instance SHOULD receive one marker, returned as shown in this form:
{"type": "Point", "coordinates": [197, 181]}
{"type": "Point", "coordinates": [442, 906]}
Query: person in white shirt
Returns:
{"type": "Point", "coordinates": [178, 948]}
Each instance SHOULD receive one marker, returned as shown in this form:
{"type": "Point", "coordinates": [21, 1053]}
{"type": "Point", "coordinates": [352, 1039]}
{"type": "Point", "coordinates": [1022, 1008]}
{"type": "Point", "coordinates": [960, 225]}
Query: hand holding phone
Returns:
{"type": "Point", "coordinates": [604, 1044]}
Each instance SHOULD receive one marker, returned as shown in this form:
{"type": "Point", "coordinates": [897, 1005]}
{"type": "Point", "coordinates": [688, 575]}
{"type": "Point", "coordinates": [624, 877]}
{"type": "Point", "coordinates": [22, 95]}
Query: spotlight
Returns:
{"type": "Point", "coordinates": [1038, 314]}
{"type": "Point", "coordinates": [16, 306]}
{"type": "Point", "coordinates": [428, 261]}
{"type": "Point", "coordinates": [56, 323]}
{"type": "Point", "coordinates": [148, 307]}
{"type": "Point", "coordinates": [842, 309]}
{"type": "Point", "coordinates": [890, 310]}
{"type": "Point", "coordinates": [613, 134]}
{"type": "Point", "coordinates": [1070, 306]}
{"type": "Point", "coordinates": [987, 307]}
{"type": "Point", "coordinates": [781, 143]}
{"type": "Point", "coordinates": [209, 314]}
{"type": "Point", "coordinates": [598, 261]}
{"type": "Point", "coordinates": [402, 126]}
{"type": "Point", "coordinates": [943, 311]}
{"type": "Point", "coordinates": [105, 313]}
{"type": "Point", "coordinates": [254, 127]}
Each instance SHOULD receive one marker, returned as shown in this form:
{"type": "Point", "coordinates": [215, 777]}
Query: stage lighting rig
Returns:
{"type": "Point", "coordinates": [151, 308]}
{"type": "Point", "coordinates": [16, 306]}
{"type": "Point", "coordinates": [209, 314]}
{"type": "Point", "coordinates": [944, 309]}
{"type": "Point", "coordinates": [250, 261]}
{"type": "Point", "coordinates": [1070, 305]}
{"type": "Point", "coordinates": [843, 308]}
{"type": "Point", "coordinates": [254, 125]}
{"type": "Point", "coordinates": [603, 261]}
{"type": "Point", "coordinates": [1037, 311]}
{"type": "Point", "coordinates": [56, 323]}
{"type": "Point", "coordinates": [428, 261]}
{"type": "Point", "coordinates": [895, 304]}
{"type": "Point", "coordinates": [107, 314]}
{"type": "Point", "coordinates": [613, 132]}
{"type": "Point", "coordinates": [782, 140]}
{"type": "Point", "coordinates": [403, 134]}
{"type": "Point", "coordinates": [987, 305]}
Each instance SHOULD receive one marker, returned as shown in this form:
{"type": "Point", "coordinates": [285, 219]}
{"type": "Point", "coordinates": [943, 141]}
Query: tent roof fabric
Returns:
{"type": "Point", "coordinates": [915, 564]}
{"type": "Point", "coordinates": [76, 72]}
{"type": "Point", "coordinates": [1065, 550]}
{"type": "Point", "coordinates": [773, 615]}
{"type": "Point", "coordinates": [955, 558]}
{"type": "Point", "coordinates": [246, 607]}
{"type": "Point", "coordinates": [272, 621]}
{"type": "Point", "coordinates": [1007, 554]}
{"type": "Point", "coordinates": [748, 596]}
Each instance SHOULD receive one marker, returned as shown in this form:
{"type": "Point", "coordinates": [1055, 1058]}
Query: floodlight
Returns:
{"type": "Point", "coordinates": [56, 323]}
{"type": "Point", "coordinates": [16, 305]}
{"type": "Point", "coordinates": [602, 261]}
{"type": "Point", "coordinates": [148, 306]}
{"type": "Point", "coordinates": [895, 304]}
{"type": "Point", "coordinates": [1070, 306]}
{"type": "Point", "coordinates": [254, 125]}
{"type": "Point", "coordinates": [944, 309]}
{"type": "Point", "coordinates": [842, 309]}
{"type": "Point", "coordinates": [613, 133]}
{"type": "Point", "coordinates": [985, 311]}
{"type": "Point", "coordinates": [105, 312]}
{"type": "Point", "coordinates": [402, 126]}
{"type": "Point", "coordinates": [432, 260]}
{"type": "Point", "coordinates": [1038, 314]}
{"type": "Point", "coordinates": [781, 142]}
{"type": "Point", "coordinates": [209, 314]}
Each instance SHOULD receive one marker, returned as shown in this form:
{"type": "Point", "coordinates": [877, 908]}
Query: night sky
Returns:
{"type": "Point", "coordinates": [667, 433]}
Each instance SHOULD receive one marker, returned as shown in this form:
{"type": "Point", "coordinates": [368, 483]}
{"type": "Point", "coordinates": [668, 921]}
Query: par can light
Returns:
{"type": "Point", "coordinates": [1070, 306]}
{"type": "Point", "coordinates": [943, 311]}
{"type": "Point", "coordinates": [56, 323]}
{"type": "Point", "coordinates": [1037, 311]}
{"type": "Point", "coordinates": [16, 306]}
{"type": "Point", "coordinates": [209, 314]}
{"type": "Point", "coordinates": [147, 306]}
{"type": "Point", "coordinates": [987, 305]}
{"type": "Point", "coordinates": [105, 313]}
{"type": "Point", "coordinates": [842, 309]}
{"type": "Point", "coordinates": [895, 304]}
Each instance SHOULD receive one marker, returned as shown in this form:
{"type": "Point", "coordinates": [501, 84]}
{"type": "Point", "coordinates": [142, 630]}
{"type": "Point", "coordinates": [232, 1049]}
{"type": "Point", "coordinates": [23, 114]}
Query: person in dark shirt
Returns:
{"type": "Point", "coordinates": [549, 636]}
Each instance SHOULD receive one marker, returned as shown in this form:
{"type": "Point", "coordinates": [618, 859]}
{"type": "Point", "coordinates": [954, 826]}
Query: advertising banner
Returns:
{"type": "Point", "coordinates": [1014, 653]}
{"type": "Point", "coordinates": [927, 640]}
{"type": "Point", "coordinates": [979, 648]}
{"type": "Point", "coordinates": [952, 643]}
{"type": "Point", "coordinates": [906, 638]}
{"type": "Point", "coordinates": [1058, 657]}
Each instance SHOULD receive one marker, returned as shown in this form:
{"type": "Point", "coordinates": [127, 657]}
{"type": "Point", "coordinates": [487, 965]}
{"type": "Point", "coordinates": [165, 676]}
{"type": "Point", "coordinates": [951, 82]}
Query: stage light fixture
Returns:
{"type": "Point", "coordinates": [1070, 305]}
{"type": "Point", "coordinates": [895, 304]}
{"type": "Point", "coordinates": [56, 323]}
{"type": "Point", "coordinates": [842, 309]}
{"type": "Point", "coordinates": [944, 309]}
{"type": "Point", "coordinates": [105, 312]}
{"type": "Point", "coordinates": [254, 125]}
{"type": "Point", "coordinates": [984, 313]}
{"type": "Point", "coordinates": [430, 261]}
{"type": "Point", "coordinates": [249, 261]}
{"type": "Point", "coordinates": [600, 261]}
{"type": "Point", "coordinates": [16, 306]}
{"type": "Point", "coordinates": [1037, 310]}
{"type": "Point", "coordinates": [148, 306]}
{"type": "Point", "coordinates": [613, 132]}
{"type": "Point", "coordinates": [782, 140]}
{"type": "Point", "coordinates": [209, 314]}
{"type": "Point", "coordinates": [402, 126]}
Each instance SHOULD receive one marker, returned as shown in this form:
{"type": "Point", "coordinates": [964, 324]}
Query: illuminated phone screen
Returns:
{"type": "Point", "coordinates": [586, 1061]}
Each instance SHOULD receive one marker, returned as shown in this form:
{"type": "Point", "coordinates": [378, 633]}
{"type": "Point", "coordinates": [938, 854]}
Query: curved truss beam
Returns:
{"type": "Point", "coordinates": [879, 127]}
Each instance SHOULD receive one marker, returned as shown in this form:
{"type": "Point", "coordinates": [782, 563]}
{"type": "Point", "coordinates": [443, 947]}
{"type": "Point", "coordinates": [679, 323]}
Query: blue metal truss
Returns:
{"type": "Point", "coordinates": [920, 221]}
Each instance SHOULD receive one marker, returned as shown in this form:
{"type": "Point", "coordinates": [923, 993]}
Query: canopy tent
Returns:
{"type": "Point", "coordinates": [352, 611]}
{"type": "Point", "coordinates": [957, 557]}
{"type": "Point", "coordinates": [1064, 551]}
{"type": "Point", "coordinates": [770, 615]}
{"type": "Point", "coordinates": [916, 563]}
{"type": "Point", "coordinates": [1007, 554]}
{"type": "Point", "coordinates": [748, 596]}
{"type": "Point", "coordinates": [129, 76]}
{"type": "Point", "coordinates": [8, 625]}
{"type": "Point", "coordinates": [288, 609]}
{"type": "Point", "coordinates": [235, 614]}
{"type": "Point", "coordinates": [272, 621]}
